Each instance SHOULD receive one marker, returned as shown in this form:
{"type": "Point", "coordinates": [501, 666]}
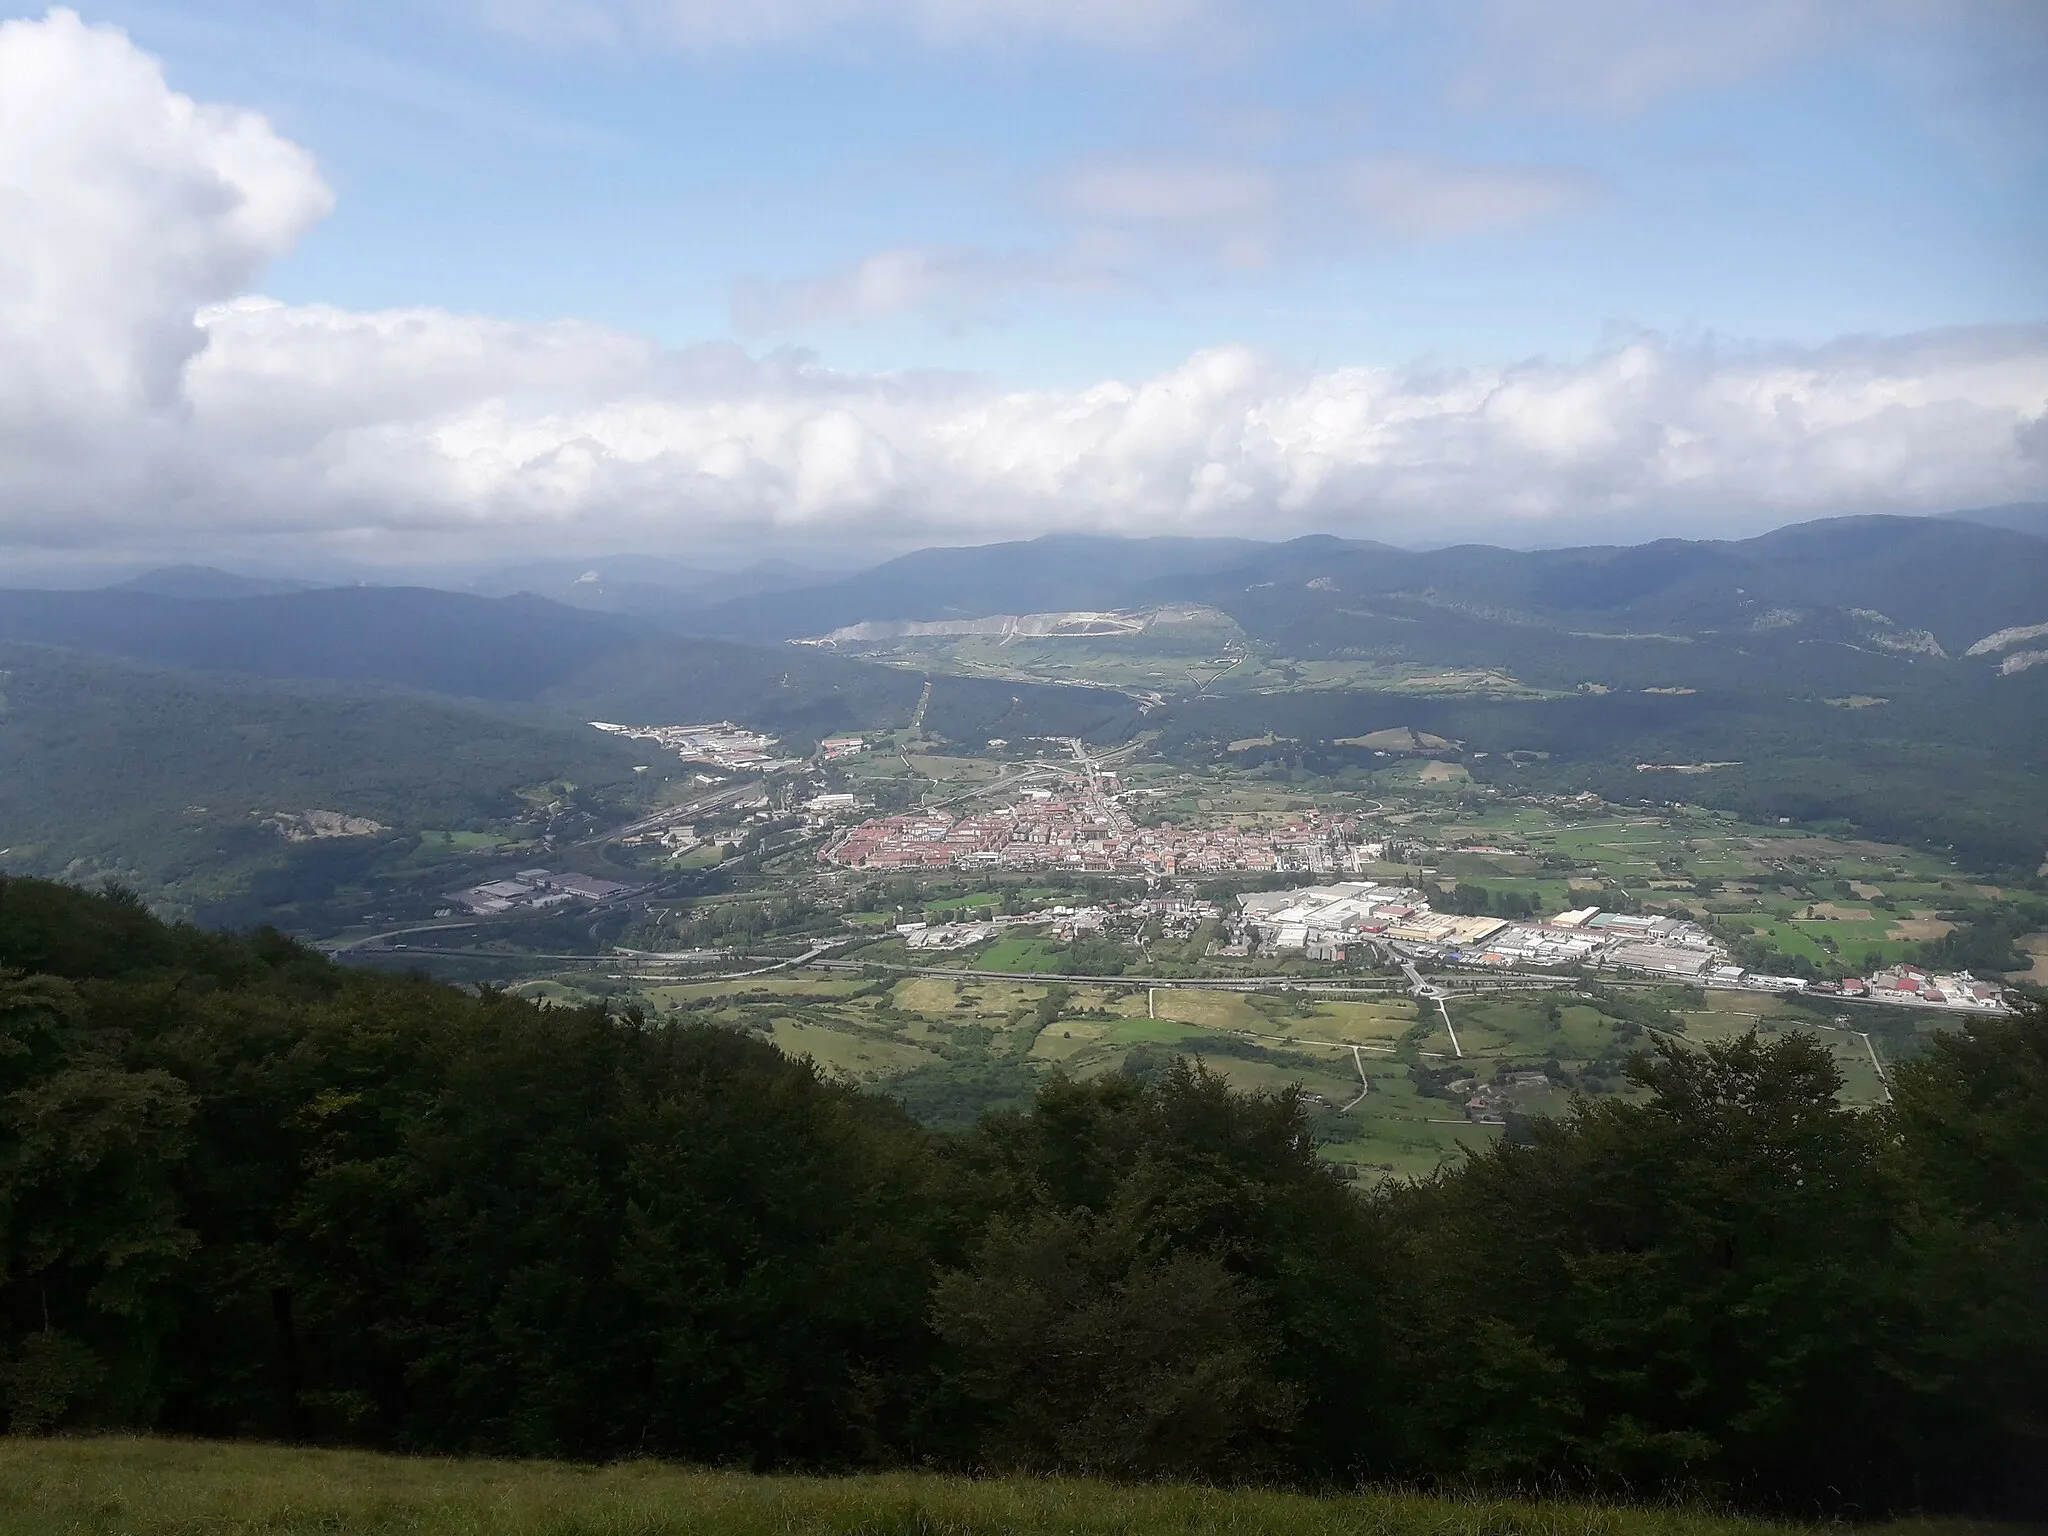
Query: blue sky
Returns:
{"type": "Point", "coordinates": [1054, 196]}
{"type": "Point", "coordinates": [1847, 178]}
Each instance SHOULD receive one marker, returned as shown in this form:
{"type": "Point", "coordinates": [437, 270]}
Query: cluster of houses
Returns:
{"type": "Point", "coordinates": [1910, 985]}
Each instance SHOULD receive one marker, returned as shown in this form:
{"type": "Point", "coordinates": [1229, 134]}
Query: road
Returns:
{"type": "Point", "coordinates": [1364, 1082]}
{"type": "Point", "coordinates": [808, 957]}
{"type": "Point", "coordinates": [1876, 1066]}
{"type": "Point", "coordinates": [350, 946]}
{"type": "Point", "coordinates": [1432, 994]}
{"type": "Point", "coordinates": [1236, 662]}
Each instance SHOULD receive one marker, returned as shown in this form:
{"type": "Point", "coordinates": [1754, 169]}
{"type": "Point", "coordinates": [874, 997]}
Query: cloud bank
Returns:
{"type": "Point", "coordinates": [148, 402]}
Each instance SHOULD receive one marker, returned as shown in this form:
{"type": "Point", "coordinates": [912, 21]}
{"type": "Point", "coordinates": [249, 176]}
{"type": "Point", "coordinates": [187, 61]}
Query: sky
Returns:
{"type": "Point", "coordinates": [462, 280]}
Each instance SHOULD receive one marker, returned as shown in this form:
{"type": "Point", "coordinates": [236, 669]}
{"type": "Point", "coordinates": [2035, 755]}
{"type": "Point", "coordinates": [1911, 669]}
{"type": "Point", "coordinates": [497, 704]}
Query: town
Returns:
{"type": "Point", "coordinates": [1083, 827]}
{"type": "Point", "coordinates": [1087, 830]}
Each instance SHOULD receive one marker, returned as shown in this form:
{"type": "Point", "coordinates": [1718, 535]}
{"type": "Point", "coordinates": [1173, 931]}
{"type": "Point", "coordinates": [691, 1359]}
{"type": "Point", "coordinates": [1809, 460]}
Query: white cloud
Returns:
{"type": "Point", "coordinates": [1245, 214]}
{"type": "Point", "coordinates": [1171, 191]}
{"type": "Point", "coordinates": [719, 26]}
{"type": "Point", "coordinates": [159, 409]}
{"type": "Point", "coordinates": [1408, 197]}
{"type": "Point", "coordinates": [533, 433]}
{"type": "Point", "coordinates": [958, 284]}
{"type": "Point", "coordinates": [125, 206]}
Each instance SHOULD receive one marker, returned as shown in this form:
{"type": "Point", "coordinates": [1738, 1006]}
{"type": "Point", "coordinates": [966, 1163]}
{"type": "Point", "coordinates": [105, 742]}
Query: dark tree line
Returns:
{"type": "Point", "coordinates": [1469, 900]}
{"type": "Point", "coordinates": [246, 1192]}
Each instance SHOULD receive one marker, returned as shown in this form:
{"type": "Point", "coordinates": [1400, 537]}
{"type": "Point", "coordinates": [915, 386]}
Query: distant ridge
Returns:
{"type": "Point", "coordinates": [1957, 578]}
{"type": "Point", "coordinates": [2019, 516]}
{"type": "Point", "coordinates": [206, 581]}
{"type": "Point", "coordinates": [552, 660]}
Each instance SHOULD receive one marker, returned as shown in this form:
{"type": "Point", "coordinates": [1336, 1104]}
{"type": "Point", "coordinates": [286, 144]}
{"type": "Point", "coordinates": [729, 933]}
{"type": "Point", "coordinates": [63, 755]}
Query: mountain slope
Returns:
{"type": "Point", "coordinates": [1956, 580]}
{"type": "Point", "coordinates": [2020, 516]}
{"type": "Point", "coordinates": [206, 581]}
{"type": "Point", "coordinates": [165, 778]}
{"type": "Point", "coordinates": [1063, 571]}
{"type": "Point", "coordinates": [553, 662]}
{"type": "Point", "coordinates": [416, 637]}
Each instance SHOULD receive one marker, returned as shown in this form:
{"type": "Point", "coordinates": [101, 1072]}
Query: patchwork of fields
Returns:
{"type": "Point", "coordinates": [1390, 1086]}
{"type": "Point", "coordinates": [1395, 1086]}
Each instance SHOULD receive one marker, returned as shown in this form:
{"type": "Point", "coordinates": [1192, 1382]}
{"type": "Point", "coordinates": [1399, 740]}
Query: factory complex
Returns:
{"type": "Point", "coordinates": [1325, 921]}
{"type": "Point", "coordinates": [720, 744]}
{"type": "Point", "coordinates": [1332, 922]}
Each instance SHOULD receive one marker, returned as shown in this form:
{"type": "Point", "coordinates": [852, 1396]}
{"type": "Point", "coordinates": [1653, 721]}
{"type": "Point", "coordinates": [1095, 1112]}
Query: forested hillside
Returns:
{"type": "Point", "coordinates": [1960, 580]}
{"type": "Point", "coordinates": [562, 664]}
{"type": "Point", "coordinates": [160, 776]}
{"type": "Point", "coordinates": [1956, 763]}
{"type": "Point", "coordinates": [245, 1192]}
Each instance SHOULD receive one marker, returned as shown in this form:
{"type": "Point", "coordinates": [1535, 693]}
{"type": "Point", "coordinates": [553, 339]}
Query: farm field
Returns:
{"type": "Point", "coordinates": [1212, 655]}
{"type": "Point", "coordinates": [1392, 1092]}
{"type": "Point", "coordinates": [2035, 947]}
{"type": "Point", "coordinates": [1388, 1086]}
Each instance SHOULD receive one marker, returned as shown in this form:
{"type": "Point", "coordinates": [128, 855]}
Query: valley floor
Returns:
{"type": "Point", "coordinates": [126, 1484]}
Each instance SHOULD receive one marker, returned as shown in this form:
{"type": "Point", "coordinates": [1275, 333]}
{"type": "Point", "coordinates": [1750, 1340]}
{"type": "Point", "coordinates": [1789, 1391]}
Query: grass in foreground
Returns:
{"type": "Point", "coordinates": [170, 1487]}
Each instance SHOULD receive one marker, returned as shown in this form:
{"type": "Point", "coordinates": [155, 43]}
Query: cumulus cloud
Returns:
{"type": "Point", "coordinates": [126, 206]}
{"type": "Point", "coordinates": [426, 422]}
{"type": "Point", "coordinates": [161, 406]}
{"type": "Point", "coordinates": [718, 26]}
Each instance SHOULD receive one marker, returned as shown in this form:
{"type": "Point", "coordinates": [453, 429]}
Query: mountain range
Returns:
{"type": "Point", "coordinates": [1956, 580]}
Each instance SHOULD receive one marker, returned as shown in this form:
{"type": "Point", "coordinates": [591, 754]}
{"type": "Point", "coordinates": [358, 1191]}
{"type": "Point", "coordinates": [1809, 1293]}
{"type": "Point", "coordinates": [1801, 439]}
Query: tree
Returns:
{"type": "Point", "coordinates": [1118, 1193]}
{"type": "Point", "coordinates": [1967, 1132]}
{"type": "Point", "coordinates": [89, 1218]}
{"type": "Point", "coordinates": [1656, 1295]}
{"type": "Point", "coordinates": [1094, 1347]}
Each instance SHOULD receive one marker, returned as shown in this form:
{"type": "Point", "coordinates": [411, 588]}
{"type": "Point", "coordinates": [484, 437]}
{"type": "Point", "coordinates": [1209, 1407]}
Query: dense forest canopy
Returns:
{"type": "Point", "coordinates": [244, 1191]}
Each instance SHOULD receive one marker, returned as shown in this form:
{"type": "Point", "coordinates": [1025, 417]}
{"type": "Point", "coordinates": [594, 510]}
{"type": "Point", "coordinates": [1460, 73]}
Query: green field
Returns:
{"type": "Point", "coordinates": [1214, 658]}
{"type": "Point", "coordinates": [1391, 1092]}
{"type": "Point", "coordinates": [117, 1486]}
{"type": "Point", "coordinates": [1019, 952]}
{"type": "Point", "coordinates": [1410, 1116]}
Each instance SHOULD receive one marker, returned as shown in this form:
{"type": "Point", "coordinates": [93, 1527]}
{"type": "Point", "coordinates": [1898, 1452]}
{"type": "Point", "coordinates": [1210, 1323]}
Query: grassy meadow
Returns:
{"type": "Point", "coordinates": [120, 1485]}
